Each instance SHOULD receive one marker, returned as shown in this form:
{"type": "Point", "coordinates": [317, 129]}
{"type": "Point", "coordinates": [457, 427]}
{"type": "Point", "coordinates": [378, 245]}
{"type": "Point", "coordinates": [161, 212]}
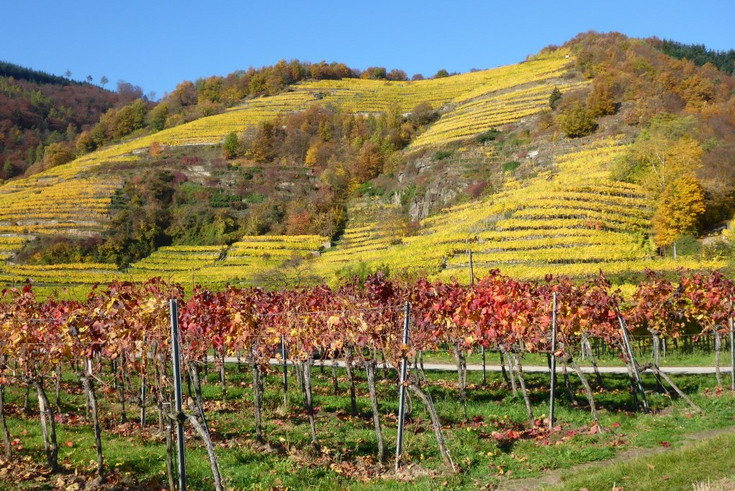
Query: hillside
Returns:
{"type": "Point", "coordinates": [38, 111]}
{"type": "Point", "coordinates": [539, 167]}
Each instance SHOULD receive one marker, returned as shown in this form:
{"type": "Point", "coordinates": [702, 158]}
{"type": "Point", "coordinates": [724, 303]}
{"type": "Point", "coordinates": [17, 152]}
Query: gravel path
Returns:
{"type": "Point", "coordinates": [526, 368]}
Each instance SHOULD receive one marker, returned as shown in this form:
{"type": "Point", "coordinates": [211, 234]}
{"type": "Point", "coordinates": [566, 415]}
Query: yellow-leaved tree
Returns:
{"type": "Point", "coordinates": [679, 207]}
{"type": "Point", "coordinates": [664, 160]}
{"type": "Point", "coordinates": [667, 160]}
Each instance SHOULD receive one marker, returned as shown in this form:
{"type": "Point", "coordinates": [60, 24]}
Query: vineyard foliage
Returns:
{"type": "Point", "coordinates": [360, 322]}
{"type": "Point", "coordinates": [496, 311]}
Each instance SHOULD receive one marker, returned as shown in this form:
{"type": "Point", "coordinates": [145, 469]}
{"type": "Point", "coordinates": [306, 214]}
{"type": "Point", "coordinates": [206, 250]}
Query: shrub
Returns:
{"type": "Point", "coordinates": [423, 114]}
{"type": "Point", "coordinates": [576, 121]}
{"type": "Point", "coordinates": [58, 154]}
{"type": "Point", "coordinates": [443, 154]}
{"type": "Point", "coordinates": [511, 166]}
{"type": "Point", "coordinates": [489, 135]}
{"type": "Point", "coordinates": [475, 190]}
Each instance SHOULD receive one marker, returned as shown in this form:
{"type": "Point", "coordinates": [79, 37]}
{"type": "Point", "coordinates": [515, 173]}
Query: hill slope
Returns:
{"type": "Point", "coordinates": [547, 204]}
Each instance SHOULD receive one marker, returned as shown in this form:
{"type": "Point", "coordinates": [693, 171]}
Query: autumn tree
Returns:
{"type": "Point", "coordinates": [375, 73]}
{"type": "Point", "coordinates": [185, 94]}
{"type": "Point", "coordinates": [157, 116]}
{"type": "Point", "coordinates": [263, 146]}
{"type": "Point", "coordinates": [679, 207]}
{"type": "Point", "coordinates": [129, 118]}
{"type": "Point", "coordinates": [8, 169]}
{"type": "Point", "coordinates": [209, 89]}
{"type": "Point", "coordinates": [369, 162]}
{"type": "Point", "coordinates": [600, 100]}
{"type": "Point", "coordinates": [398, 75]}
{"type": "Point", "coordinates": [127, 92]}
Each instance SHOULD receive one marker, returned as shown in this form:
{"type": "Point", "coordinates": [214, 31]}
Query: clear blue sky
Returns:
{"type": "Point", "coordinates": [157, 44]}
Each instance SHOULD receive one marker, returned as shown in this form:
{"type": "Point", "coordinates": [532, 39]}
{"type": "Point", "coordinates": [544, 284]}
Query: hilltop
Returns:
{"type": "Point", "coordinates": [573, 160]}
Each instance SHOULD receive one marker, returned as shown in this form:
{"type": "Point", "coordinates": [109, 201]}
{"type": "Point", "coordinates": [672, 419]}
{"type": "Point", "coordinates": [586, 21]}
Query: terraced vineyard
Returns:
{"type": "Point", "coordinates": [491, 111]}
{"type": "Point", "coordinates": [66, 280]}
{"type": "Point", "coordinates": [176, 262]}
{"type": "Point", "coordinates": [70, 199]}
{"type": "Point", "coordinates": [49, 204]}
{"type": "Point", "coordinates": [10, 244]}
{"type": "Point", "coordinates": [571, 220]}
{"type": "Point", "coordinates": [365, 240]}
{"type": "Point", "coordinates": [574, 220]}
{"type": "Point", "coordinates": [378, 96]}
{"type": "Point", "coordinates": [255, 256]}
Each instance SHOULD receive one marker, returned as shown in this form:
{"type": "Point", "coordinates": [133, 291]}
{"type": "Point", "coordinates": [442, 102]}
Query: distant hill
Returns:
{"type": "Point", "coordinates": [37, 77]}
{"type": "Point", "coordinates": [38, 109]}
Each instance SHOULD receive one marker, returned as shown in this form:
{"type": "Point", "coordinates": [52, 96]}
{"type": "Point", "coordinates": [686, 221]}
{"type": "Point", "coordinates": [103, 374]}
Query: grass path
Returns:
{"type": "Point", "coordinates": [596, 475]}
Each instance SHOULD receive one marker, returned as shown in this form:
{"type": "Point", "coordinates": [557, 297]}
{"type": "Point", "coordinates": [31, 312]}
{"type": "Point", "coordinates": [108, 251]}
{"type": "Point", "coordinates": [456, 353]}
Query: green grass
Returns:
{"type": "Point", "coordinates": [348, 460]}
{"type": "Point", "coordinates": [708, 460]}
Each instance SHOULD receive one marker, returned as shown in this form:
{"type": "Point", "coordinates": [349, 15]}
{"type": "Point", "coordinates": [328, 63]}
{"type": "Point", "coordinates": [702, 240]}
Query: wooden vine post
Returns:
{"type": "Point", "coordinates": [144, 356]}
{"type": "Point", "coordinates": [402, 388]}
{"type": "Point", "coordinates": [633, 363]}
{"type": "Point", "coordinates": [552, 368]}
{"type": "Point", "coordinates": [178, 415]}
{"type": "Point", "coordinates": [285, 371]}
{"type": "Point", "coordinates": [732, 350]}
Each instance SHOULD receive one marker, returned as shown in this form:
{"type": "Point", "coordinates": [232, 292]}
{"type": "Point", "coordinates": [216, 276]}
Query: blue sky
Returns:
{"type": "Point", "coordinates": [158, 44]}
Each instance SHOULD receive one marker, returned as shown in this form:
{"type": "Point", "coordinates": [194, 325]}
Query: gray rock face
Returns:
{"type": "Point", "coordinates": [437, 195]}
